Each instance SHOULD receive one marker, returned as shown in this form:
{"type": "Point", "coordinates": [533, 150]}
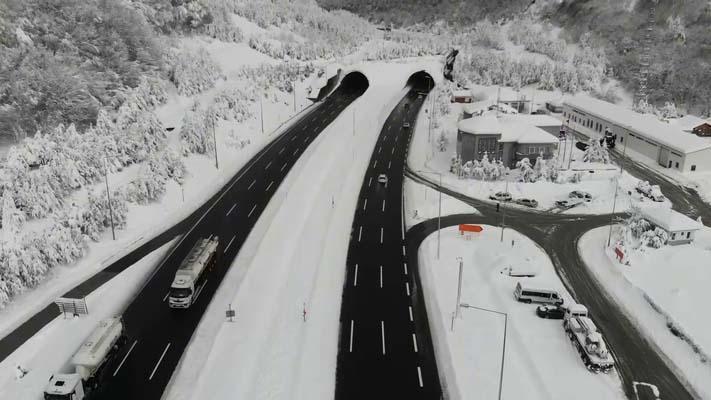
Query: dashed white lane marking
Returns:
{"type": "Point", "coordinates": [407, 288]}
{"type": "Point", "coordinates": [229, 244]}
{"type": "Point", "coordinates": [268, 165]}
{"type": "Point", "coordinates": [251, 211]}
{"type": "Point", "coordinates": [404, 267]}
{"type": "Point", "coordinates": [403, 250]}
{"type": "Point", "coordinates": [125, 357]}
{"type": "Point", "coordinates": [232, 208]}
{"type": "Point", "coordinates": [166, 296]}
{"type": "Point", "coordinates": [355, 276]}
{"type": "Point", "coordinates": [370, 181]}
{"type": "Point", "coordinates": [282, 167]}
{"type": "Point", "coordinates": [296, 151]}
{"type": "Point", "coordinates": [252, 184]}
{"type": "Point", "coordinates": [381, 276]}
{"type": "Point", "coordinates": [414, 342]}
{"type": "Point", "coordinates": [350, 345]}
{"type": "Point", "coordinates": [388, 164]}
{"type": "Point", "coordinates": [365, 204]}
{"type": "Point", "coordinates": [282, 150]}
{"type": "Point", "coordinates": [306, 139]}
{"type": "Point", "coordinates": [360, 233]}
{"type": "Point", "coordinates": [375, 163]}
{"type": "Point", "coordinates": [419, 376]}
{"type": "Point", "coordinates": [393, 150]}
{"type": "Point", "coordinates": [380, 149]}
{"type": "Point", "coordinates": [159, 361]}
{"type": "Point", "coordinates": [382, 334]}
{"type": "Point", "coordinates": [409, 309]}
{"type": "Point", "coordinates": [381, 235]}
{"type": "Point", "coordinates": [315, 129]}
{"type": "Point", "coordinates": [383, 205]}
{"type": "Point", "coordinates": [270, 185]}
{"type": "Point", "coordinates": [293, 138]}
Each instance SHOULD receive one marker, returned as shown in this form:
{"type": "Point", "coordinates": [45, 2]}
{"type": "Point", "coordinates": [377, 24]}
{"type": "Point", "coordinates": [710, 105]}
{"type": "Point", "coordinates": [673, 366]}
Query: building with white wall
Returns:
{"type": "Point", "coordinates": [656, 141]}
{"type": "Point", "coordinates": [681, 229]}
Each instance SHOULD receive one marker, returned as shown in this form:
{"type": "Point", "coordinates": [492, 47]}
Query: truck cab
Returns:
{"type": "Point", "coordinates": [192, 274]}
{"type": "Point", "coordinates": [64, 387]}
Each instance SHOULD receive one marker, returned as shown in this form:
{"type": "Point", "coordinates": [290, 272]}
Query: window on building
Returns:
{"type": "Point", "coordinates": [673, 236]}
{"type": "Point", "coordinates": [621, 139]}
{"type": "Point", "coordinates": [688, 235]}
{"type": "Point", "coordinates": [693, 167]}
{"type": "Point", "coordinates": [676, 164]}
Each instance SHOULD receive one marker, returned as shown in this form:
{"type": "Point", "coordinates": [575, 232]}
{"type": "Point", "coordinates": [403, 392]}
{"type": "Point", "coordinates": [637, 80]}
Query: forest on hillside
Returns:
{"type": "Point", "coordinates": [680, 51]}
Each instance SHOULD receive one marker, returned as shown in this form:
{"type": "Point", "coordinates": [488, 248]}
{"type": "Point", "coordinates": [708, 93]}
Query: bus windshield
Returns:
{"type": "Point", "coordinates": [179, 293]}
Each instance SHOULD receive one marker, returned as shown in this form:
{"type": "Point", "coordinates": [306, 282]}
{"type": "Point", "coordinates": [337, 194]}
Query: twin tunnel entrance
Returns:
{"type": "Point", "coordinates": [356, 83]}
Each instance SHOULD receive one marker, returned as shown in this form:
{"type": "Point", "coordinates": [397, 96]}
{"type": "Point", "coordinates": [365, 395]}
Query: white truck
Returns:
{"type": "Point", "coordinates": [586, 339]}
{"type": "Point", "coordinates": [192, 273]}
{"type": "Point", "coordinates": [89, 362]}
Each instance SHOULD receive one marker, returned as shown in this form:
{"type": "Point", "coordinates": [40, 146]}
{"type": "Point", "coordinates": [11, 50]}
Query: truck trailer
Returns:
{"type": "Point", "coordinates": [192, 273]}
{"type": "Point", "coordinates": [89, 362]}
{"type": "Point", "coordinates": [587, 340]}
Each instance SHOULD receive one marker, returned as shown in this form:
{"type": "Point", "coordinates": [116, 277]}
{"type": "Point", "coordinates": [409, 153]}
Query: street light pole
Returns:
{"type": "Point", "coordinates": [439, 213]}
{"type": "Point", "coordinates": [108, 200]}
{"type": "Point", "coordinates": [261, 113]}
{"type": "Point", "coordinates": [503, 211]}
{"type": "Point", "coordinates": [214, 140]}
{"type": "Point", "coordinates": [614, 203]}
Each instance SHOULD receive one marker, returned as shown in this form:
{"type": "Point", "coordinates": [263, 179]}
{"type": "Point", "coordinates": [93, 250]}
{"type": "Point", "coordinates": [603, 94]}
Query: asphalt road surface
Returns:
{"type": "Point", "coordinates": [157, 335]}
{"type": "Point", "coordinates": [385, 349]}
{"type": "Point", "coordinates": [637, 361]}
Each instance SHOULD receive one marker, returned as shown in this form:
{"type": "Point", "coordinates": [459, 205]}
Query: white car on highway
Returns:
{"type": "Point", "coordinates": [382, 178]}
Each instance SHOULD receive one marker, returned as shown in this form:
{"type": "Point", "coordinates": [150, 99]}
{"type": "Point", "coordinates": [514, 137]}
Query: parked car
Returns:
{"type": "Point", "coordinates": [651, 191]}
{"type": "Point", "coordinates": [541, 111]}
{"type": "Point", "coordinates": [523, 271]}
{"type": "Point", "coordinates": [382, 178]}
{"type": "Point", "coordinates": [579, 194]}
{"type": "Point", "coordinates": [529, 295]}
{"type": "Point", "coordinates": [568, 203]}
{"type": "Point", "coordinates": [550, 312]}
{"type": "Point", "coordinates": [406, 125]}
{"type": "Point", "coordinates": [527, 202]}
{"type": "Point", "coordinates": [501, 196]}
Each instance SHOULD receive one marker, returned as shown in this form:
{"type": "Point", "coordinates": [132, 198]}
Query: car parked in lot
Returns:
{"type": "Point", "coordinates": [550, 312]}
{"type": "Point", "coordinates": [579, 194]}
{"type": "Point", "coordinates": [651, 191]}
{"type": "Point", "coordinates": [526, 294]}
{"type": "Point", "coordinates": [501, 196]}
{"type": "Point", "coordinates": [568, 203]}
{"type": "Point", "coordinates": [527, 202]}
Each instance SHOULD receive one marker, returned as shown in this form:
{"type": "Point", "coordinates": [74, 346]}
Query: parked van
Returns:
{"type": "Point", "coordinates": [530, 295]}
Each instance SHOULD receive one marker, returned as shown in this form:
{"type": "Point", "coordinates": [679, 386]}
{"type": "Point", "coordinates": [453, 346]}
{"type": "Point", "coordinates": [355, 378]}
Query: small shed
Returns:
{"type": "Point", "coordinates": [703, 129]}
{"type": "Point", "coordinates": [462, 96]}
{"type": "Point", "coordinates": [681, 229]}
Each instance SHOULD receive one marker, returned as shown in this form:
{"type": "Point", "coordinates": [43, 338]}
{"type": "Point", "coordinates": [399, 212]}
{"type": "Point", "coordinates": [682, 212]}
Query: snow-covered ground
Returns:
{"type": "Point", "coordinates": [537, 350]}
{"type": "Point", "coordinates": [422, 202]}
{"type": "Point", "coordinates": [677, 280]}
{"type": "Point", "coordinates": [202, 181]}
{"type": "Point", "coordinates": [50, 350]}
{"type": "Point", "coordinates": [281, 272]}
{"type": "Point", "coordinates": [596, 179]}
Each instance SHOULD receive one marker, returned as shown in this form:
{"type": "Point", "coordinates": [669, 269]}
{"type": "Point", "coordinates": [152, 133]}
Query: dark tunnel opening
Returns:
{"type": "Point", "coordinates": [354, 83]}
{"type": "Point", "coordinates": [421, 81]}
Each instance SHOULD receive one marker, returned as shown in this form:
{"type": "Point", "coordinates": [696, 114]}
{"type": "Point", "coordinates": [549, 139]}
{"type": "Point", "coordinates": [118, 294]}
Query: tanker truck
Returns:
{"type": "Point", "coordinates": [191, 275]}
{"type": "Point", "coordinates": [89, 363]}
{"type": "Point", "coordinates": [587, 340]}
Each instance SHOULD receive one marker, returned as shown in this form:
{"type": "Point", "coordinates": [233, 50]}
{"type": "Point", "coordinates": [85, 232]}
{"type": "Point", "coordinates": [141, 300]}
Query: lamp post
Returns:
{"type": "Point", "coordinates": [108, 200]}
{"type": "Point", "coordinates": [261, 113]}
{"type": "Point", "coordinates": [439, 213]}
{"type": "Point", "coordinates": [214, 141]}
{"type": "Point", "coordinates": [503, 350]}
{"type": "Point", "coordinates": [503, 212]}
{"type": "Point", "coordinates": [459, 292]}
{"type": "Point", "coordinates": [614, 203]}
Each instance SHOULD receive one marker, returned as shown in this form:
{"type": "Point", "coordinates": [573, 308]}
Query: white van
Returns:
{"type": "Point", "coordinates": [530, 295]}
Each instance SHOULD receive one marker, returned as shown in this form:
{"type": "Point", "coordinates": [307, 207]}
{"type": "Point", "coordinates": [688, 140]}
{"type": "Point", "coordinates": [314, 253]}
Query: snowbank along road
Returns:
{"type": "Point", "coordinates": [637, 361]}
{"type": "Point", "coordinates": [157, 334]}
{"type": "Point", "coordinates": [385, 348]}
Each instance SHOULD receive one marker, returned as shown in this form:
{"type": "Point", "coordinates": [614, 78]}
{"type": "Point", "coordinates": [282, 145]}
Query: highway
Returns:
{"type": "Point", "coordinates": [385, 349]}
{"type": "Point", "coordinates": [558, 234]}
{"type": "Point", "coordinates": [157, 335]}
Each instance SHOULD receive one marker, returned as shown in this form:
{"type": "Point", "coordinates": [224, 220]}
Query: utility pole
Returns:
{"type": "Point", "coordinates": [439, 213]}
{"type": "Point", "coordinates": [294, 87]}
{"type": "Point", "coordinates": [503, 214]}
{"type": "Point", "coordinates": [572, 146]}
{"type": "Point", "coordinates": [108, 200]}
{"type": "Point", "coordinates": [261, 113]}
{"type": "Point", "coordinates": [354, 121]}
{"type": "Point", "coordinates": [459, 292]}
{"type": "Point", "coordinates": [614, 203]}
{"type": "Point", "coordinates": [214, 140]}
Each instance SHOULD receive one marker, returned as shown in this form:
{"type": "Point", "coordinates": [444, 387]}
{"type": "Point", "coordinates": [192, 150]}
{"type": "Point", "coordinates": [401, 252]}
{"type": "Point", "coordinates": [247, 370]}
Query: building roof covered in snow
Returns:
{"type": "Point", "coordinates": [535, 119]}
{"type": "Point", "coordinates": [483, 125]}
{"type": "Point", "coordinates": [668, 219]}
{"type": "Point", "coordinates": [644, 125]}
{"type": "Point", "coordinates": [688, 122]}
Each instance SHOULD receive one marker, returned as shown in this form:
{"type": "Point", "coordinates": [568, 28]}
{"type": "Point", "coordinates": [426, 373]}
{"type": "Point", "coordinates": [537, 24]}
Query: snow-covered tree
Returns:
{"type": "Point", "coordinates": [669, 110]}
{"type": "Point", "coordinates": [193, 71]}
{"type": "Point", "coordinates": [525, 170]}
{"type": "Point", "coordinates": [655, 238]}
{"type": "Point", "coordinates": [442, 142]}
{"type": "Point", "coordinates": [596, 152]}
{"type": "Point", "coordinates": [12, 222]}
{"type": "Point", "coordinates": [196, 134]}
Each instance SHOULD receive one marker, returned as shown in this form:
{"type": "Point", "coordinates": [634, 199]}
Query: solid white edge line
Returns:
{"type": "Point", "coordinates": [159, 361]}
{"type": "Point", "coordinates": [382, 332]}
{"type": "Point", "coordinates": [232, 208]}
{"type": "Point", "coordinates": [414, 342]}
{"type": "Point", "coordinates": [419, 376]}
{"type": "Point", "coordinates": [251, 211]}
{"type": "Point", "coordinates": [125, 357]}
{"type": "Point", "coordinates": [409, 309]}
{"type": "Point", "coordinates": [350, 345]}
{"type": "Point", "coordinates": [229, 244]}
{"type": "Point", "coordinates": [355, 276]}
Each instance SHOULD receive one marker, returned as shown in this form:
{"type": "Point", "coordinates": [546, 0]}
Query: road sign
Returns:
{"type": "Point", "coordinates": [75, 307]}
{"type": "Point", "coordinates": [469, 228]}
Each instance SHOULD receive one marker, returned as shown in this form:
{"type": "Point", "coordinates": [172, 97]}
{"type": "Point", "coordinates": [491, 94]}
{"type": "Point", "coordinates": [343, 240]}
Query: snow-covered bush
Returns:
{"type": "Point", "coordinates": [149, 186]}
{"type": "Point", "coordinates": [596, 152]}
{"type": "Point", "coordinates": [233, 104]}
{"type": "Point", "coordinates": [655, 238]}
{"type": "Point", "coordinates": [526, 171]}
{"type": "Point", "coordinates": [442, 142]}
{"type": "Point", "coordinates": [96, 217]}
{"type": "Point", "coordinates": [489, 34]}
{"type": "Point", "coordinates": [192, 71]}
{"type": "Point", "coordinates": [196, 133]}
